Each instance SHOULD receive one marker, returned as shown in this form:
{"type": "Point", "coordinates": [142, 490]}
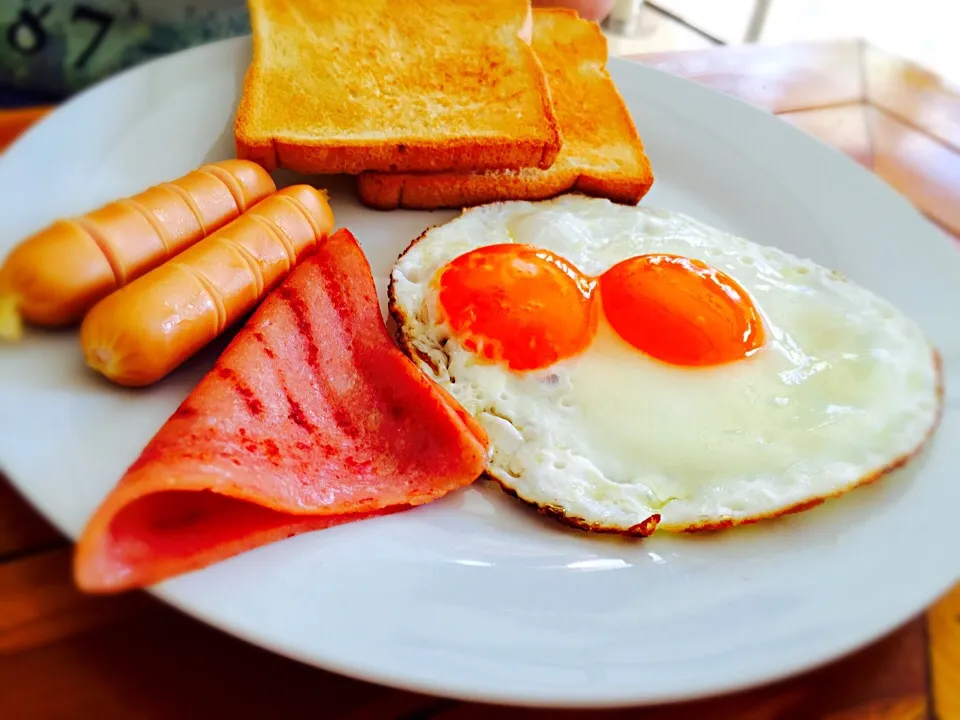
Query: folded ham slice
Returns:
{"type": "Point", "coordinates": [311, 417]}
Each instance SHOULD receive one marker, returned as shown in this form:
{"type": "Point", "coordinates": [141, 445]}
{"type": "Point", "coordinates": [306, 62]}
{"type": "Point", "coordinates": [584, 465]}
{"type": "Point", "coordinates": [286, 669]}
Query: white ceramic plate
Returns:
{"type": "Point", "coordinates": [475, 596]}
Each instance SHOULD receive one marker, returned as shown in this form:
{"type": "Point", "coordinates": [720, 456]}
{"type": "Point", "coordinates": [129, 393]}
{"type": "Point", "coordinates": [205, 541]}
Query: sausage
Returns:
{"type": "Point", "coordinates": [53, 277]}
{"type": "Point", "coordinates": [140, 333]}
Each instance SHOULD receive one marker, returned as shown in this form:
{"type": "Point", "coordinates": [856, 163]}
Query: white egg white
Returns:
{"type": "Point", "coordinates": [844, 388]}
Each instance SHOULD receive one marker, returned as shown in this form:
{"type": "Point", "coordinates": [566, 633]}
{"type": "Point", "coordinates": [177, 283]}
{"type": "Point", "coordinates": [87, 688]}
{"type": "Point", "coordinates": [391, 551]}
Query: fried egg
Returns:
{"type": "Point", "coordinates": [635, 368]}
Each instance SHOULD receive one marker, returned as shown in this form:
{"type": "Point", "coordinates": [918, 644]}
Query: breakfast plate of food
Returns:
{"type": "Point", "coordinates": [442, 351]}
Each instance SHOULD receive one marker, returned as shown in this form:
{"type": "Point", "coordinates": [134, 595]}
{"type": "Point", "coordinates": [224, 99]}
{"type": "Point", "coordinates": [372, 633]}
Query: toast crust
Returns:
{"type": "Point", "coordinates": [385, 191]}
{"type": "Point", "coordinates": [602, 155]}
{"type": "Point", "coordinates": [413, 155]}
{"type": "Point", "coordinates": [478, 100]}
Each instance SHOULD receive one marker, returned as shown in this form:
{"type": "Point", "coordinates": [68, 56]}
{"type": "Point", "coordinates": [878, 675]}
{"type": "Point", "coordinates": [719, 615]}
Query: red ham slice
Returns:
{"type": "Point", "coordinates": [311, 417]}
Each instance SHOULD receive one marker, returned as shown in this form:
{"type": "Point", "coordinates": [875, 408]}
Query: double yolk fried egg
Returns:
{"type": "Point", "coordinates": [637, 369]}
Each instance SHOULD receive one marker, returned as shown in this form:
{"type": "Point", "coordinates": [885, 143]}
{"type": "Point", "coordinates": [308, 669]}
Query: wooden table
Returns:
{"type": "Point", "coordinates": [63, 655]}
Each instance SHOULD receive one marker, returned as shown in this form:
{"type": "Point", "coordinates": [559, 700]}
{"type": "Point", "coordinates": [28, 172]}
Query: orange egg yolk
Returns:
{"type": "Point", "coordinates": [518, 304]}
{"type": "Point", "coordinates": [680, 310]}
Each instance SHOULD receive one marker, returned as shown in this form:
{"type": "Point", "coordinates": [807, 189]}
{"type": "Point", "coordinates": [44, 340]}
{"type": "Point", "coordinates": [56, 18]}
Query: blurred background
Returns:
{"type": "Point", "coordinates": [52, 48]}
{"type": "Point", "coordinates": [920, 30]}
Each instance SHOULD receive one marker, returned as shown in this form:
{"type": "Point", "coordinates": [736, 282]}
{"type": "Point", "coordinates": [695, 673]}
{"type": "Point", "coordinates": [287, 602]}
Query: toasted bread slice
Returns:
{"type": "Point", "coordinates": [602, 153]}
{"type": "Point", "coordinates": [342, 86]}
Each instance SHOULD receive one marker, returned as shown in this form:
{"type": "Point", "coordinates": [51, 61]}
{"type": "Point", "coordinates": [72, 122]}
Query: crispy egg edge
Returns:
{"type": "Point", "coordinates": [816, 500]}
{"type": "Point", "coordinates": [647, 527]}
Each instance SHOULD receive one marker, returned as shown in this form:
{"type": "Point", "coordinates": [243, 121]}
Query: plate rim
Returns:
{"type": "Point", "coordinates": [852, 643]}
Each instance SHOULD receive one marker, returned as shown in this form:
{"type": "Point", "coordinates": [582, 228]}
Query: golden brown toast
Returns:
{"type": "Point", "coordinates": [342, 86]}
{"type": "Point", "coordinates": [602, 153]}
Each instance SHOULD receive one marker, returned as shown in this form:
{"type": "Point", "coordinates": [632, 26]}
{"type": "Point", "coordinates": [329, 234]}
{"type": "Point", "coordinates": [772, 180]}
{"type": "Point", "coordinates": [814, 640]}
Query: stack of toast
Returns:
{"type": "Point", "coordinates": [438, 103]}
